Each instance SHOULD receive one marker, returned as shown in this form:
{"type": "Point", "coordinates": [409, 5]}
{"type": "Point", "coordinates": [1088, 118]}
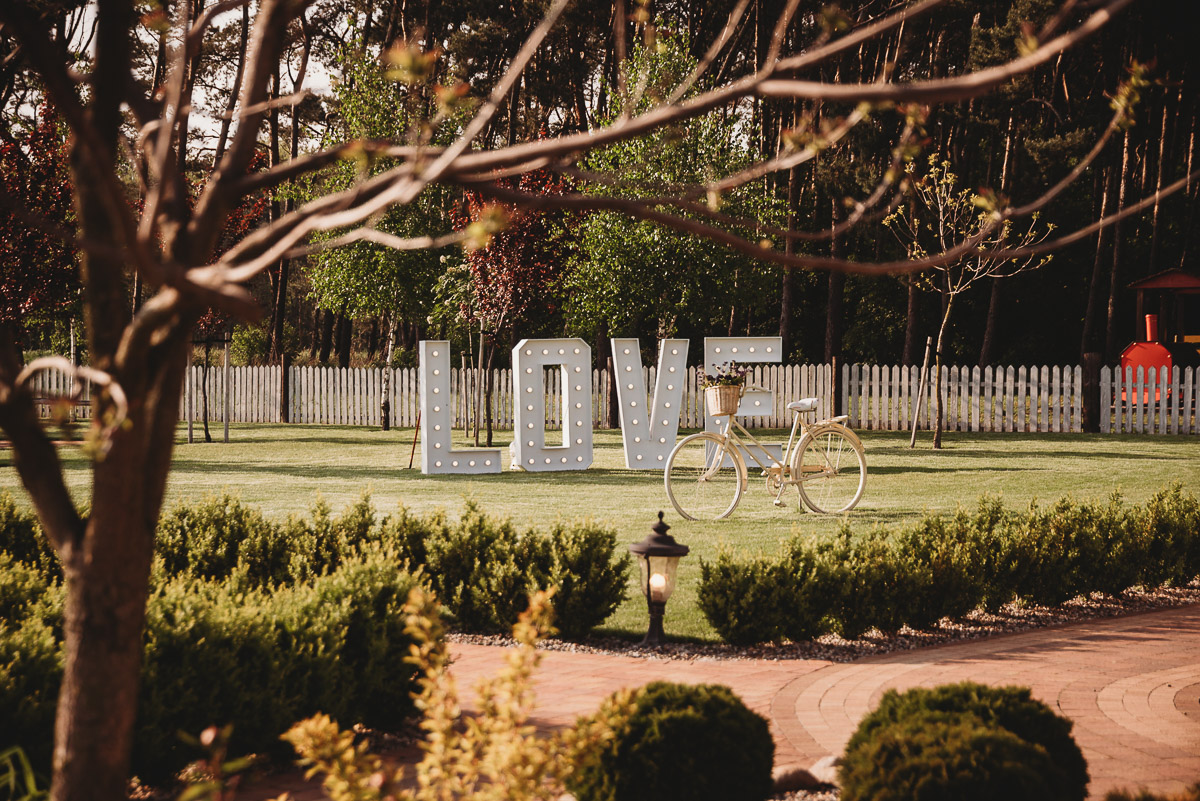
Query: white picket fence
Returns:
{"type": "Point", "coordinates": [874, 397]}
{"type": "Point", "coordinates": [881, 397]}
{"type": "Point", "coordinates": [335, 396]}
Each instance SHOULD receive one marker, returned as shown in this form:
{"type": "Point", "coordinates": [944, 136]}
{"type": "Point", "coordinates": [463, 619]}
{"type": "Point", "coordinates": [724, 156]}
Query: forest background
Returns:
{"type": "Point", "coordinates": [598, 274]}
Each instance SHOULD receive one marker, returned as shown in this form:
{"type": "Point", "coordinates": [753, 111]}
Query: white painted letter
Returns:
{"type": "Point", "coordinates": [529, 449]}
{"type": "Point", "coordinates": [648, 433]}
{"type": "Point", "coordinates": [745, 350]}
{"type": "Point", "coordinates": [436, 453]}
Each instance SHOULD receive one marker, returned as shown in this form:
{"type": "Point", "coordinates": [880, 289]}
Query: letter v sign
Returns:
{"type": "Point", "coordinates": [648, 432]}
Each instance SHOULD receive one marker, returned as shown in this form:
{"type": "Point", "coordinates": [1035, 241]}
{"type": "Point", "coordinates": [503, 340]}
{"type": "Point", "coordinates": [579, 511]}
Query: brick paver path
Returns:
{"type": "Point", "coordinates": [1130, 684]}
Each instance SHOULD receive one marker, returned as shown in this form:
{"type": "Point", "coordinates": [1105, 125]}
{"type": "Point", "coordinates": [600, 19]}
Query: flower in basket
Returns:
{"type": "Point", "coordinates": [729, 374]}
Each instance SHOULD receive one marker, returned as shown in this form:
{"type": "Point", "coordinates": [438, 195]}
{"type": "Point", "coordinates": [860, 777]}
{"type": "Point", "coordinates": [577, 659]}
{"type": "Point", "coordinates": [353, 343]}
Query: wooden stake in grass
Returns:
{"type": "Point", "coordinates": [912, 443]}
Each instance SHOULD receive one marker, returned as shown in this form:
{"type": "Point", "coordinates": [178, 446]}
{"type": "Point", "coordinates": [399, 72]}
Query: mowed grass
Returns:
{"type": "Point", "coordinates": [283, 469]}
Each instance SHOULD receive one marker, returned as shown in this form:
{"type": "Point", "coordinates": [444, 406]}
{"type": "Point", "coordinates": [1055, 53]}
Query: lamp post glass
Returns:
{"type": "Point", "coordinates": [658, 556]}
{"type": "Point", "coordinates": [658, 576]}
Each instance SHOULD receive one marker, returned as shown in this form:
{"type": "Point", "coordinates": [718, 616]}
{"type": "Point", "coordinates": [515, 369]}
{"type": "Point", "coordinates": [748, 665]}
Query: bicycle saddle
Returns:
{"type": "Point", "coordinates": [805, 405]}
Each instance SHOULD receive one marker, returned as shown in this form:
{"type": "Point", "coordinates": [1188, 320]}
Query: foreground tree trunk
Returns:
{"type": "Point", "coordinates": [107, 576]}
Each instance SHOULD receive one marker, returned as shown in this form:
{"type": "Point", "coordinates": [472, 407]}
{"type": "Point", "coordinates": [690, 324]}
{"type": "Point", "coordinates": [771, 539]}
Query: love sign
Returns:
{"type": "Point", "coordinates": [649, 426]}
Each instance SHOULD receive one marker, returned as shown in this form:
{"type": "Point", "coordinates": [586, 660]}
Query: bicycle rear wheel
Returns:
{"type": "Point", "coordinates": [831, 469]}
{"type": "Point", "coordinates": [699, 488]}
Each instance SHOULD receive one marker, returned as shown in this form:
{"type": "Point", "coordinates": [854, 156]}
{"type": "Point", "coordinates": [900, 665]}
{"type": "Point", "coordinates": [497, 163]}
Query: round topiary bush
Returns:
{"type": "Point", "coordinates": [936, 757]}
{"type": "Point", "coordinates": [958, 716]}
{"type": "Point", "coordinates": [682, 742]}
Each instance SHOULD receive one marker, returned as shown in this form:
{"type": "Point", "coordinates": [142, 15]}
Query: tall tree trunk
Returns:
{"type": "Point", "coordinates": [786, 302]}
{"type": "Point", "coordinates": [1158, 182]}
{"type": "Point", "coordinates": [835, 299]}
{"type": "Point", "coordinates": [328, 321]}
{"type": "Point", "coordinates": [987, 351]}
{"type": "Point", "coordinates": [1114, 279]}
{"type": "Point", "coordinates": [279, 312]}
{"type": "Point", "coordinates": [345, 330]}
{"type": "Point", "coordinates": [911, 324]}
{"type": "Point", "coordinates": [1092, 341]}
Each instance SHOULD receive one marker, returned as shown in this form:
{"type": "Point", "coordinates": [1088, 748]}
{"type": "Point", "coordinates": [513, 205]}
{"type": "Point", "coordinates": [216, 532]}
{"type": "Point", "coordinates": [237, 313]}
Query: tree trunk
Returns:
{"type": "Point", "coordinates": [1114, 280]}
{"type": "Point", "coordinates": [328, 320]}
{"type": "Point", "coordinates": [204, 391]}
{"type": "Point", "coordinates": [911, 335]}
{"type": "Point", "coordinates": [835, 300]}
{"type": "Point", "coordinates": [344, 336]}
{"type": "Point", "coordinates": [487, 395]}
{"type": "Point", "coordinates": [1091, 319]}
{"type": "Point", "coordinates": [987, 351]}
{"type": "Point", "coordinates": [936, 386]}
{"type": "Point", "coordinates": [385, 406]}
{"type": "Point", "coordinates": [786, 302]}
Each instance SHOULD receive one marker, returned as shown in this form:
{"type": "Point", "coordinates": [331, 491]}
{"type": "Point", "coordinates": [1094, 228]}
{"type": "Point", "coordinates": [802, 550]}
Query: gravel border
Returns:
{"type": "Point", "coordinates": [1013, 617]}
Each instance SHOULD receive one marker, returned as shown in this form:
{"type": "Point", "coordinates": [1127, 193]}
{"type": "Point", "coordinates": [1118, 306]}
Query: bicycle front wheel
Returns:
{"type": "Point", "coordinates": [831, 470]}
{"type": "Point", "coordinates": [699, 487]}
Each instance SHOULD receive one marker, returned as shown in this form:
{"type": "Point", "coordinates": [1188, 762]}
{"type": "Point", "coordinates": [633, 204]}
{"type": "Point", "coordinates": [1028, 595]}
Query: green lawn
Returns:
{"type": "Point", "coordinates": [283, 468]}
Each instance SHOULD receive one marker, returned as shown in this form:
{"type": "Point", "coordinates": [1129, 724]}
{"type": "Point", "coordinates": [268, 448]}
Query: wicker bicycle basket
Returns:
{"type": "Point", "coordinates": [722, 399]}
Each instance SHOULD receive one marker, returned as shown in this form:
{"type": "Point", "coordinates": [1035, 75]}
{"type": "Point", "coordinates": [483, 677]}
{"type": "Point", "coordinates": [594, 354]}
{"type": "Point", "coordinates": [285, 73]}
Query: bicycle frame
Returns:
{"type": "Point", "coordinates": [777, 468]}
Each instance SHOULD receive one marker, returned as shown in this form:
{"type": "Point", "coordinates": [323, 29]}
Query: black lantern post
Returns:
{"type": "Point", "coordinates": [657, 555]}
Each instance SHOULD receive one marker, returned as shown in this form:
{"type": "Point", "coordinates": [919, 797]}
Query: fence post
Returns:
{"type": "Point", "coordinates": [285, 388]}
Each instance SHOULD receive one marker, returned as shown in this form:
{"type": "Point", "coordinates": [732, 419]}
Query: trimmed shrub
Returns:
{"type": "Point", "coordinates": [744, 600]}
{"type": "Point", "coordinates": [21, 586]}
{"type": "Point", "coordinates": [682, 742]}
{"type": "Point", "coordinates": [21, 538]}
{"type": "Point", "coordinates": [946, 567]}
{"type": "Point", "coordinates": [937, 557]}
{"type": "Point", "coordinates": [206, 540]}
{"type": "Point", "coordinates": [946, 758]}
{"type": "Point", "coordinates": [1190, 794]}
{"type": "Point", "coordinates": [955, 715]}
{"type": "Point", "coordinates": [216, 654]}
{"type": "Point", "coordinates": [804, 610]}
{"type": "Point", "coordinates": [262, 661]}
{"type": "Point", "coordinates": [482, 569]}
{"type": "Point", "coordinates": [31, 665]}
{"type": "Point", "coordinates": [591, 582]}
{"type": "Point", "coordinates": [865, 585]}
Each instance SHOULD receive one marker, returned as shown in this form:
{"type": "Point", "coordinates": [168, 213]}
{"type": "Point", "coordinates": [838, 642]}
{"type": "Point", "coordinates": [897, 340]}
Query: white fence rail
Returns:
{"type": "Point", "coordinates": [874, 397]}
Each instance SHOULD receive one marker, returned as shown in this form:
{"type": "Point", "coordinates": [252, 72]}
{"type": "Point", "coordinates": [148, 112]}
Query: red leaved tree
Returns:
{"type": "Point", "coordinates": [514, 271]}
{"type": "Point", "coordinates": [39, 275]}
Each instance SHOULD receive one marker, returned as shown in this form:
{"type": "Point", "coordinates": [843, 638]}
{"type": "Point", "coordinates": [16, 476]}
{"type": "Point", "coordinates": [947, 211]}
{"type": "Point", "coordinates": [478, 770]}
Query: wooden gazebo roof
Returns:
{"type": "Point", "coordinates": [1174, 279]}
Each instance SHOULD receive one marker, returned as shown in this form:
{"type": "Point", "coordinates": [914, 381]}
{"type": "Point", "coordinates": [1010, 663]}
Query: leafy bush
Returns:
{"type": "Point", "coordinates": [744, 601]}
{"type": "Point", "coordinates": [21, 538]}
{"type": "Point", "coordinates": [913, 741]}
{"type": "Point", "coordinates": [591, 582]}
{"type": "Point", "coordinates": [946, 758]}
{"type": "Point", "coordinates": [1190, 794]}
{"type": "Point", "coordinates": [217, 653]}
{"type": "Point", "coordinates": [31, 665]}
{"type": "Point", "coordinates": [683, 742]}
{"type": "Point", "coordinates": [946, 567]}
{"type": "Point", "coordinates": [261, 661]}
{"type": "Point", "coordinates": [483, 569]}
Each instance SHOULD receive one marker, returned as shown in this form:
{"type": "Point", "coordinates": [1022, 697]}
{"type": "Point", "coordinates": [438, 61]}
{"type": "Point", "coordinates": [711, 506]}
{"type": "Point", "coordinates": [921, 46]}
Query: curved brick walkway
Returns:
{"type": "Point", "coordinates": [1130, 684]}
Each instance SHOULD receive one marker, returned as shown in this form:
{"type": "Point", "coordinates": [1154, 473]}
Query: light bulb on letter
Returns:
{"type": "Point", "coordinates": [658, 583]}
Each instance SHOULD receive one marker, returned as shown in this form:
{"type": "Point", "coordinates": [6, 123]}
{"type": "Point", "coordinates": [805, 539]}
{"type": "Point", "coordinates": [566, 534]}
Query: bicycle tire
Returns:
{"type": "Point", "coordinates": [831, 457]}
{"type": "Point", "coordinates": [696, 491]}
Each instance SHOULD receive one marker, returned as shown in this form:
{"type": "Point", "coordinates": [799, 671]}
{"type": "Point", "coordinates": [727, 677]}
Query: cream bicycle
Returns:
{"type": "Point", "coordinates": [706, 474]}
